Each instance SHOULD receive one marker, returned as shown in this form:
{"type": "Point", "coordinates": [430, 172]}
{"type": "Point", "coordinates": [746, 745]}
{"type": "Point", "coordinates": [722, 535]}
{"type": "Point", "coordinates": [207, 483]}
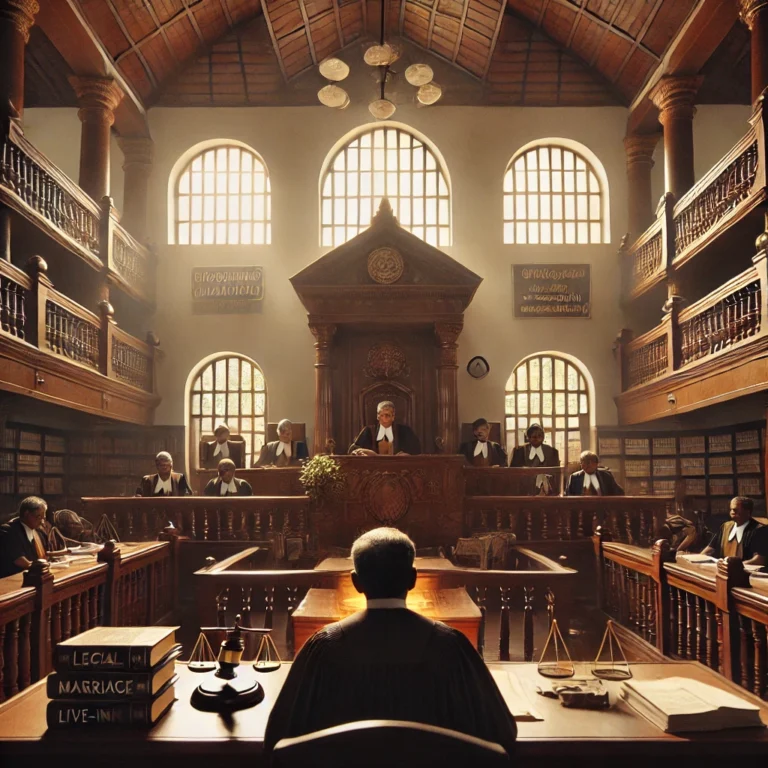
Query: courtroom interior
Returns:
{"type": "Point", "coordinates": [383, 382]}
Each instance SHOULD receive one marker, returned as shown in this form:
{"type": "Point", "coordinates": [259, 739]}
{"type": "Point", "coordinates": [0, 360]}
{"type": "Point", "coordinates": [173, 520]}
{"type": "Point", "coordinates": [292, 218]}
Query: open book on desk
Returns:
{"type": "Point", "coordinates": [679, 704]}
{"type": "Point", "coordinates": [696, 558]}
{"type": "Point", "coordinates": [514, 696]}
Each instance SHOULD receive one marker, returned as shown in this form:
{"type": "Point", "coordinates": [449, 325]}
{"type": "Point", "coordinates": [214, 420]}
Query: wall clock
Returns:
{"type": "Point", "coordinates": [478, 367]}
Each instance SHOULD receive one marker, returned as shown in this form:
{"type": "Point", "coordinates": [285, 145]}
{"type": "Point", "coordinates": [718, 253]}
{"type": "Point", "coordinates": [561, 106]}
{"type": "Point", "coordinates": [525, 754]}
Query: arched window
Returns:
{"type": "Point", "coordinates": [228, 388]}
{"type": "Point", "coordinates": [555, 193]}
{"type": "Point", "coordinates": [385, 162]}
{"type": "Point", "coordinates": [222, 197]}
{"type": "Point", "coordinates": [553, 391]}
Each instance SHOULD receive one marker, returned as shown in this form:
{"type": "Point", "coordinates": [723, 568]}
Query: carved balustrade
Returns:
{"type": "Point", "coordinates": [129, 584]}
{"type": "Point", "coordinates": [71, 331]}
{"type": "Point", "coordinates": [724, 320]}
{"type": "Point", "coordinates": [232, 586]}
{"type": "Point", "coordinates": [707, 613]}
{"type": "Point", "coordinates": [203, 518]}
{"type": "Point", "coordinates": [14, 291]}
{"type": "Point", "coordinates": [634, 520]}
{"type": "Point", "coordinates": [34, 187]}
{"type": "Point", "coordinates": [731, 189]}
{"type": "Point", "coordinates": [130, 360]}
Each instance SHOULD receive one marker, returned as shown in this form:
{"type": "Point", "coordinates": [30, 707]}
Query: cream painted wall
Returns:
{"type": "Point", "coordinates": [476, 145]}
{"type": "Point", "coordinates": [56, 133]}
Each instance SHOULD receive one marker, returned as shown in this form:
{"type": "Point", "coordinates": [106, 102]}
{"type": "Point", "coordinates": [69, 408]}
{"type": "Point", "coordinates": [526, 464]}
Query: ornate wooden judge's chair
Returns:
{"type": "Point", "coordinates": [494, 436]}
{"type": "Point", "coordinates": [299, 432]}
{"type": "Point", "coordinates": [386, 743]}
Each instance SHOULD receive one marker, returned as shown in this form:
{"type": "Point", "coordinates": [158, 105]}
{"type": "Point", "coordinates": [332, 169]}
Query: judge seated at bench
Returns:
{"type": "Point", "coordinates": [164, 482]}
{"type": "Point", "coordinates": [741, 536]}
{"type": "Point", "coordinates": [211, 453]}
{"type": "Point", "coordinates": [386, 438]}
{"type": "Point", "coordinates": [535, 452]}
{"type": "Point", "coordinates": [226, 484]}
{"type": "Point", "coordinates": [591, 480]}
{"type": "Point", "coordinates": [387, 662]}
{"type": "Point", "coordinates": [22, 540]}
{"type": "Point", "coordinates": [283, 452]}
{"type": "Point", "coordinates": [482, 452]}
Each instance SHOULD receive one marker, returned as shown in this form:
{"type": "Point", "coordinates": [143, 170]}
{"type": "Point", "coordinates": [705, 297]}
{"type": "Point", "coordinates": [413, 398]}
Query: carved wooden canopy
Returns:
{"type": "Point", "coordinates": [385, 275]}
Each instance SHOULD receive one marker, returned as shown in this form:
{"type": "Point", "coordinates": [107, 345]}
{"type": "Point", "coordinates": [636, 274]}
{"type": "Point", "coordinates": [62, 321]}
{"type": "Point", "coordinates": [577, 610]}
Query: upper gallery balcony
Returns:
{"type": "Point", "coordinates": [714, 212]}
{"type": "Point", "coordinates": [32, 186]}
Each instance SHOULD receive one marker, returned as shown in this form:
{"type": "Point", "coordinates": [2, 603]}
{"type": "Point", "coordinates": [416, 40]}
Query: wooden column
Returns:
{"type": "Point", "coordinates": [730, 573]}
{"type": "Point", "coordinates": [447, 388]}
{"type": "Point", "coordinates": [16, 19]}
{"type": "Point", "coordinates": [639, 150]}
{"type": "Point", "coordinates": [754, 13]}
{"type": "Point", "coordinates": [98, 97]}
{"type": "Point", "coordinates": [137, 163]}
{"type": "Point", "coordinates": [673, 97]}
{"type": "Point", "coordinates": [323, 333]}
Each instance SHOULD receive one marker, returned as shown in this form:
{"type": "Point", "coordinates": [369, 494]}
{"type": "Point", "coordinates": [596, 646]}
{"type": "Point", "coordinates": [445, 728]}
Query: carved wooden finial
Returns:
{"type": "Point", "coordinates": [153, 339]}
{"type": "Point", "coordinates": [385, 214]}
{"type": "Point", "coordinates": [37, 265]}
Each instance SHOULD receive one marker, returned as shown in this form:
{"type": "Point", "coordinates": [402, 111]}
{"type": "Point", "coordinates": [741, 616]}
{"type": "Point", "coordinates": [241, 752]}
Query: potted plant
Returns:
{"type": "Point", "coordinates": [322, 478]}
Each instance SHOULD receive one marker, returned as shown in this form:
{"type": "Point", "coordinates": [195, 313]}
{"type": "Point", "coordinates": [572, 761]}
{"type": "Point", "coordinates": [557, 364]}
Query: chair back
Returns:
{"type": "Point", "coordinates": [210, 438]}
{"type": "Point", "coordinates": [467, 435]}
{"type": "Point", "coordinates": [299, 432]}
{"type": "Point", "coordinates": [387, 743]}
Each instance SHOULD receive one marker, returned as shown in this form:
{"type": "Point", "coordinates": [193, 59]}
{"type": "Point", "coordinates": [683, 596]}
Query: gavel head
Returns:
{"type": "Point", "coordinates": [231, 652]}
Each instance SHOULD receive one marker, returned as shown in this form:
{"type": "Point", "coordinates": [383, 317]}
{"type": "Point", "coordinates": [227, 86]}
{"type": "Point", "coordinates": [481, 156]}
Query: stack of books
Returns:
{"type": "Point", "coordinates": [680, 704]}
{"type": "Point", "coordinates": [113, 675]}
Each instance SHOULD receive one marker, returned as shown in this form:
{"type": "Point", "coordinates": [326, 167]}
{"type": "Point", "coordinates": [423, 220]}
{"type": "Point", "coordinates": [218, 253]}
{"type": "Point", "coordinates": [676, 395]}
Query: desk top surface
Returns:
{"type": "Point", "coordinates": [562, 731]}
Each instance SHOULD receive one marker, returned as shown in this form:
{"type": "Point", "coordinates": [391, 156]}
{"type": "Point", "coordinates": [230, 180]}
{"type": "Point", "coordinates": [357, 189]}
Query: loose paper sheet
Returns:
{"type": "Point", "coordinates": [515, 696]}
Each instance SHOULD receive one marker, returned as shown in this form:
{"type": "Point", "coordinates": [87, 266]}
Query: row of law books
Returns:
{"type": "Point", "coordinates": [113, 676]}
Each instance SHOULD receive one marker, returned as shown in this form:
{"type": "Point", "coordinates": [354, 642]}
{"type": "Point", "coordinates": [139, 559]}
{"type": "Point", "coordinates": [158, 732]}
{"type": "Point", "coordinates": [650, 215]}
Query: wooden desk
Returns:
{"type": "Point", "coordinates": [203, 739]}
{"type": "Point", "coordinates": [321, 607]}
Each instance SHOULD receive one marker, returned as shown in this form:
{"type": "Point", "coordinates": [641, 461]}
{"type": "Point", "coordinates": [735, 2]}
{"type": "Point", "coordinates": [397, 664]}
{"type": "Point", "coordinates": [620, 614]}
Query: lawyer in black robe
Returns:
{"type": "Point", "coordinates": [17, 550]}
{"type": "Point", "coordinates": [493, 455]}
{"type": "Point", "coordinates": [579, 485]}
{"type": "Point", "coordinates": [535, 452]}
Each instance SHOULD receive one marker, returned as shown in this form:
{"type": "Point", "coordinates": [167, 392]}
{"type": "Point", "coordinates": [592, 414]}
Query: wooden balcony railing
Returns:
{"type": "Point", "coordinates": [704, 613]}
{"type": "Point", "coordinates": [32, 311]}
{"type": "Point", "coordinates": [730, 317]}
{"type": "Point", "coordinates": [734, 187]}
{"type": "Point", "coordinates": [34, 187]}
{"type": "Point", "coordinates": [128, 585]}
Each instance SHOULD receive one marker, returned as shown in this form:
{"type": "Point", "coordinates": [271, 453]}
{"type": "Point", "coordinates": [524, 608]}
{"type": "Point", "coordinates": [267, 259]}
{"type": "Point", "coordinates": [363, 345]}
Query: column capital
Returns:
{"type": "Point", "coordinates": [138, 151]}
{"type": "Point", "coordinates": [21, 13]}
{"type": "Point", "coordinates": [749, 9]}
{"type": "Point", "coordinates": [98, 98]}
{"type": "Point", "coordinates": [674, 97]}
{"type": "Point", "coordinates": [323, 333]}
{"type": "Point", "coordinates": [448, 333]}
{"type": "Point", "coordinates": [639, 148]}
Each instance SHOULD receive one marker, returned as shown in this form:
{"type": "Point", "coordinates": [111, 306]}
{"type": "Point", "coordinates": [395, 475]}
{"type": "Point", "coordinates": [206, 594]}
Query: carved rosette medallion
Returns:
{"type": "Point", "coordinates": [386, 361]}
{"type": "Point", "coordinates": [385, 265]}
{"type": "Point", "coordinates": [387, 498]}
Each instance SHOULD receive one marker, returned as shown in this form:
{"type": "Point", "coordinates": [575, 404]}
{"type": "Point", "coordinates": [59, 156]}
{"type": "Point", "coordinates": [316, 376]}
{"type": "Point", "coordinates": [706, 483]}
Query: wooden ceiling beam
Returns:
{"type": "Point", "coordinates": [161, 30]}
{"type": "Point", "coordinates": [68, 30]}
{"type": "Point", "coordinates": [308, 31]}
{"type": "Point", "coordinates": [132, 43]}
{"type": "Point", "coordinates": [273, 38]}
{"type": "Point", "coordinates": [703, 31]}
{"type": "Point", "coordinates": [494, 40]}
{"type": "Point", "coordinates": [192, 19]}
{"type": "Point", "coordinates": [227, 13]}
{"type": "Point", "coordinates": [646, 26]}
{"type": "Point", "coordinates": [463, 21]}
{"type": "Point", "coordinates": [599, 45]}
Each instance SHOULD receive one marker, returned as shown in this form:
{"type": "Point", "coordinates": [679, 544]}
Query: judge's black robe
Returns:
{"type": "Point", "coordinates": [497, 456]}
{"type": "Point", "coordinates": [14, 543]}
{"type": "Point", "coordinates": [179, 485]}
{"type": "Point", "coordinates": [390, 664]}
{"type": "Point", "coordinates": [405, 440]}
{"type": "Point", "coordinates": [268, 455]}
{"type": "Point", "coordinates": [521, 454]}
{"type": "Point", "coordinates": [606, 481]}
{"type": "Point", "coordinates": [210, 461]}
{"type": "Point", "coordinates": [213, 488]}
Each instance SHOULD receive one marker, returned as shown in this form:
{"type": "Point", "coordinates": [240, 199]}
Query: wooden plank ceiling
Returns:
{"type": "Point", "coordinates": [532, 52]}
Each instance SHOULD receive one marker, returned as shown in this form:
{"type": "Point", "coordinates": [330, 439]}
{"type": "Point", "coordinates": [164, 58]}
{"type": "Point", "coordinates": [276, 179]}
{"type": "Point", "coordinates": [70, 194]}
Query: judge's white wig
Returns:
{"type": "Point", "coordinates": [384, 404]}
{"type": "Point", "coordinates": [164, 456]}
{"type": "Point", "coordinates": [283, 425]}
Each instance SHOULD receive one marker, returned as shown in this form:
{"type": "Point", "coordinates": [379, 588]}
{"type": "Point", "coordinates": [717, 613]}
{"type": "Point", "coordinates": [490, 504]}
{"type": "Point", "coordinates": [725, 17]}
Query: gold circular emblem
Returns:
{"type": "Point", "coordinates": [385, 265]}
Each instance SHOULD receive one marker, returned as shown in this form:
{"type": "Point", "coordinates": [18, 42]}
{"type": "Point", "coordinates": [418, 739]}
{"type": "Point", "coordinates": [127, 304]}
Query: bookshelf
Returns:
{"type": "Point", "coordinates": [709, 466]}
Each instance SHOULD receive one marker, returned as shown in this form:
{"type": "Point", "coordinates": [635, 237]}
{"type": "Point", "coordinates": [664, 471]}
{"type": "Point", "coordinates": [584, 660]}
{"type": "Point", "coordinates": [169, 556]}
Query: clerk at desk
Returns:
{"type": "Point", "coordinates": [741, 536]}
{"type": "Point", "coordinates": [21, 540]}
{"type": "Point", "coordinates": [386, 438]}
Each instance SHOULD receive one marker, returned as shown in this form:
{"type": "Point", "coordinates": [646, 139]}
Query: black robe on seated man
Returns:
{"type": "Point", "coordinates": [405, 440]}
{"type": "Point", "coordinates": [390, 664]}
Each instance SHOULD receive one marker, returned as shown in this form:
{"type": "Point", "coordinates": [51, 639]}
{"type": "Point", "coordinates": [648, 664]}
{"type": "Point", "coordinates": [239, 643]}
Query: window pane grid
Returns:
{"type": "Point", "coordinates": [552, 196]}
{"type": "Point", "coordinates": [222, 198]}
{"type": "Point", "coordinates": [231, 389]}
{"type": "Point", "coordinates": [550, 391]}
{"type": "Point", "coordinates": [385, 162]}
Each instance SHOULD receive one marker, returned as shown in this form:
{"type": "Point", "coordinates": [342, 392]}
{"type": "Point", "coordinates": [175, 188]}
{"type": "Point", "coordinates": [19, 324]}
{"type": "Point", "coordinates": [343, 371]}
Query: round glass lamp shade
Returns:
{"type": "Point", "coordinates": [382, 109]}
{"type": "Point", "coordinates": [419, 74]}
{"type": "Point", "coordinates": [380, 55]}
{"type": "Point", "coordinates": [334, 69]}
{"type": "Point", "coordinates": [333, 96]}
{"type": "Point", "coordinates": [429, 93]}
